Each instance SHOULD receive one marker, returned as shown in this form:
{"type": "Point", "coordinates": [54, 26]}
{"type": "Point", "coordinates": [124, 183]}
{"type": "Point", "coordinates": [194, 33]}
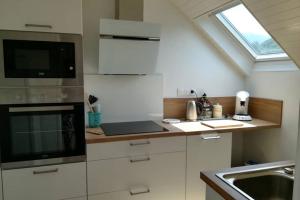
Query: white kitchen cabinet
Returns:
{"type": "Point", "coordinates": [60, 16]}
{"type": "Point", "coordinates": [155, 193]}
{"type": "Point", "coordinates": [79, 198]}
{"type": "Point", "coordinates": [135, 147]}
{"type": "Point", "coordinates": [53, 182]}
{"type": "Point", "coordinates": [212, 195]}
{"type": "Point", "coordinates": [1, 194]}
{"type": "Point", "coordinates": [205, 152]}
{"type": "Point", "coordinates": [137, 169]}
{"type": "Point", "coordinates": [161, 170]}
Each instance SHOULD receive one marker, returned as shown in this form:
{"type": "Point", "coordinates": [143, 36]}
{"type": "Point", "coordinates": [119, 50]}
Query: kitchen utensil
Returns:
{"type": "Point", "coordinates": [96, 131]}
{"type": "Point", "coordinates": [92, 99]}
{"type": "Point", "coordinates": [204, 108]}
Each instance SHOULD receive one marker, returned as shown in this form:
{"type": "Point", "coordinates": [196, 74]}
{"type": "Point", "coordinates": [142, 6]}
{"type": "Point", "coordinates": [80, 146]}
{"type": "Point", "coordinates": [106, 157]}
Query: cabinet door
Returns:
{"type": "Point", "coordinates": [62, 16]}
{"type": "Point", "coordinates": [212, 195]}
{"type": "Point", "coordinates": [48, 182]}
{"type": "Point", "coordinates": [79, 198]}
{"type": "Point", "coordinates": [205, 152]}
{"type": "Point", "coordinates": [154, 193]}
{"type": "Point", "coordinates": [1, 194]}
{"type": "Point", "coordinates": [162, 174]}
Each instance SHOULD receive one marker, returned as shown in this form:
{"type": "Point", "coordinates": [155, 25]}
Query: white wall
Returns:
{"type": "Point", "coordinates": [186, 60]}
{"type": "Point", "coordinates": [93, 10]}
{"type": "Point", "coordinates": [225, 42]}
{"type": "Point", "coordinates": [127, 98]}
{"type": "Point", "coordinates": [275, 144]}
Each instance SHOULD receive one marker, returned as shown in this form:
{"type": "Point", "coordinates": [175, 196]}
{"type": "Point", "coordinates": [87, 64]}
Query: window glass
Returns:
{"type": "Point", "coordinates": [245, 27]}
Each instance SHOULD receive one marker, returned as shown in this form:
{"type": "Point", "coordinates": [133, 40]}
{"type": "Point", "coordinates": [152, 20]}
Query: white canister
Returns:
{"type": "Point", "coordinates": [218, 111]}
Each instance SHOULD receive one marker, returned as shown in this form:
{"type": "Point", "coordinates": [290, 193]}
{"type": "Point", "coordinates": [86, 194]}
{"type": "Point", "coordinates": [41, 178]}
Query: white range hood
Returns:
{"type": "Point", "coordinates": [128, 47]}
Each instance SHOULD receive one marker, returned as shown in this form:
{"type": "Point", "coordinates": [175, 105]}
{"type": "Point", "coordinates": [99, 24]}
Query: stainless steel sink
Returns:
{"type": "Point", "coordinates": [262, 183]}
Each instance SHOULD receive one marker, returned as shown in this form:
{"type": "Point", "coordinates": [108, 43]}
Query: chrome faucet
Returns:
{"type": "Point", "coordinates": [289, 171]}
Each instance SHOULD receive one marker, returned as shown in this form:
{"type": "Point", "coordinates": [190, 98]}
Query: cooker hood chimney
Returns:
{"type": "Point", "coordinates": [129, 10]}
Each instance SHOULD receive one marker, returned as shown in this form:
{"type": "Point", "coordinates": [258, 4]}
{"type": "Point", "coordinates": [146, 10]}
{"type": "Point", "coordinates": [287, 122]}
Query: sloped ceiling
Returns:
{"type": "Point", "coordinates": [199, 12]}
{"type": "Point", "coordinates": [196, 8]}
{"type": "Point", "coordinates": [281, 18]}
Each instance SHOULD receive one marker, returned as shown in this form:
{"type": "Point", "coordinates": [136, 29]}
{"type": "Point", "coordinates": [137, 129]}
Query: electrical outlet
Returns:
{"type": "Point", "coordinates": [185, 92]}
{"type": "Point", "coordinates": [181, 92]}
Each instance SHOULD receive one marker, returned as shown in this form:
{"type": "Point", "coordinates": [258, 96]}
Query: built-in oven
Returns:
{"type": "Point", "coordinates": [41, 134]}
{"type": "Point", "coordinates": [38, 58]}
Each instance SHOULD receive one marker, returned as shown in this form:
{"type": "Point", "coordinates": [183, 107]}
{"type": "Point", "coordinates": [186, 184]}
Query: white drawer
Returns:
{"type": "Point", "coordinates": [151, 170]}
{"type": "Point", "coordinates": [47, 183]}
{"type": "Point", "coordinates": [157, 192]}
{"type": "Point", "coordinates": [79, 198]}
{"type": "Point", "coordinates": [135, 147]}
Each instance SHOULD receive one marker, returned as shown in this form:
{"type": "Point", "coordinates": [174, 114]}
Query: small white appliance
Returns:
{"type": "Point", "coordinates": [241, 107]}
{"type": "Point", "coordinates": [191, 111]}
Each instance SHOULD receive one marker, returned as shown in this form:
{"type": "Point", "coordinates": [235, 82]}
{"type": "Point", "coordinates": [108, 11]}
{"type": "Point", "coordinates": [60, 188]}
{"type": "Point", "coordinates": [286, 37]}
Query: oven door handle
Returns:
{"type": "Point", "coordinates": [40, 108]}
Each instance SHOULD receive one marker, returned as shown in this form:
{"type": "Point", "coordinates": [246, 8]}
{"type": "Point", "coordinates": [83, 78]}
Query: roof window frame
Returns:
{"type": "Point", "coordinates": [240, 38]}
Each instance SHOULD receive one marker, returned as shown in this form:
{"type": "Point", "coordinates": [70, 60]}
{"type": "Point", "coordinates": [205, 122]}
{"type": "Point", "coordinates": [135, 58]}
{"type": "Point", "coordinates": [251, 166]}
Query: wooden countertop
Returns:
{"type": "Point", "coordinates": [226, 191]}
{"type": "Point", "coordinates": [181, 129]}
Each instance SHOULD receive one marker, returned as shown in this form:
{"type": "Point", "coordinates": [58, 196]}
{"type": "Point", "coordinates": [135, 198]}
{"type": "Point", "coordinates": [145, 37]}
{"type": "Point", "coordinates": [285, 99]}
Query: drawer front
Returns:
{"type": "Point", "coordinates": [161, 192]}
{"type": "Point", "coordinates": [135, 147]}
{"type": "Point", "coordinates": [38, 15]}
{"type": "Point", "coordinates": [47, 183]}
{"type": "Point", "coordinates": [207, 152]}
{"type": "Point", "coordinates": [123, 173]}
{"type": "Point", "coordinates": [79, 198]}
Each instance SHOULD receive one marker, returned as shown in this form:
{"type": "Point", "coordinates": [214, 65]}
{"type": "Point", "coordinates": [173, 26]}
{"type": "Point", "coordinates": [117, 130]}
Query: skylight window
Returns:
{"type": "Point", "coordinates": [241, 23]}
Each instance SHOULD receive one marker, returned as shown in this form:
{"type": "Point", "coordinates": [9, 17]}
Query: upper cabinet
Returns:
{"type": "Point", "coordinates": [60, 16]}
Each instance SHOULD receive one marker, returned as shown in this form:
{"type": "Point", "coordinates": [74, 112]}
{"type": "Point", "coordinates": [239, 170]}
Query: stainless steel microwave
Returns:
{"type": "Point", "coordinates": [39, 59]}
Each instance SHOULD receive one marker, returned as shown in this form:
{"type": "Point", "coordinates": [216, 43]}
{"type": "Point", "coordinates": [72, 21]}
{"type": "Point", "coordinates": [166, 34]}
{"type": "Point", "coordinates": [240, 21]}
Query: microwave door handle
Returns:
{"type": "Point", "coordinates": [40, 108]}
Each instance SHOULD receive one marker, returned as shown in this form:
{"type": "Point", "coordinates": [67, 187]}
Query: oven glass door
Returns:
{"type": "Point", "coordinates": [42, 132]}
{"type": "Point", "coordinates": [38, 59]}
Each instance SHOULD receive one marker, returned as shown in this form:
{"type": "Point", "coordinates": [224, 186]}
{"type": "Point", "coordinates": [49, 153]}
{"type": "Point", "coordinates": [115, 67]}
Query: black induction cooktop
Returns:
{"type": "Point", "coordinates": [125, 128]}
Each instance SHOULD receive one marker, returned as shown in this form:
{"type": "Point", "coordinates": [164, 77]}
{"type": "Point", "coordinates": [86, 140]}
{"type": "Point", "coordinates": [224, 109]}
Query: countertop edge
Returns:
{"type": "Point", "coordinates": [224, 191]}
{"type": "Point", "coordinates": [93, 139]}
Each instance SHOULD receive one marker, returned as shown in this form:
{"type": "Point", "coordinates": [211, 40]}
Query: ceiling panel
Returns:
{"type": "Point", "coordinates": [195, 8]}
{"type": "Point", "coordinates": [281, 18]}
